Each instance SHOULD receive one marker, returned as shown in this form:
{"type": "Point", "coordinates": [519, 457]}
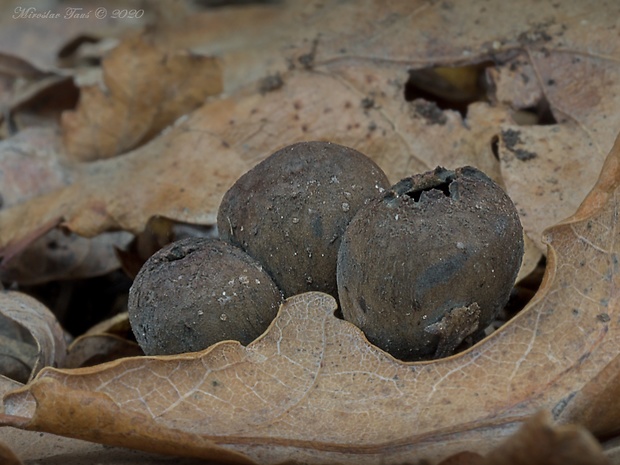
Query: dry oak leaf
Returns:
{"type": "Point", "coordinates": [7, 457]}
{"type": "Point", "coordinates": [184, 173]}
{"type": "Point", "coordinates": [48, 449]}
{"type": "Point", "coordinates": [549, 169]}
{"type": "Point", "coordinates": [58, 255]}
{"type": "Point", "coordinates": [144, 88]}
{"type": "Point", "coordinates": [261, 40]}
{"type": "Point", "coordinates": [40, 323]}
{"type": "Point", "coordinates": [566, 64]}
{"type": "Point", "coordinates": [313, 389]}
{"type": "Point", "coordinates": [31, 97]}
{"type": "Point", "coordinates": [539, 442]}
{"type": "Point", "coordinates": [32, 164]}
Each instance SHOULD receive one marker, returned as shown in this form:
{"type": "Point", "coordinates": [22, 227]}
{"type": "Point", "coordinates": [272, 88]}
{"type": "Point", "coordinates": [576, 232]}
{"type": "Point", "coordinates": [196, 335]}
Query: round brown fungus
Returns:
{"type": "Point", "coordinates": [196, 292]}
{"type": "Point", "coordinates": [430, 263]}
{"type": "Point", "coordinates": [290, 211]}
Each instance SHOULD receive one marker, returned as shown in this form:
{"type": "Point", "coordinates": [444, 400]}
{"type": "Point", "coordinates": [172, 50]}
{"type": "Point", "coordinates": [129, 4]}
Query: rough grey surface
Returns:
{"type": "Point", "coordinates": [437, 242]}
{"type": "Point", "coordinates": [196, 292]}
{"type": "Point", "coordinates": [290, 211]}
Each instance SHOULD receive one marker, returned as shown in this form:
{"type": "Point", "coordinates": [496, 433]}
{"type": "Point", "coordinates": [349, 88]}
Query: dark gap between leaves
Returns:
{"type": "Point", "coordinates": [495, 146]}
{"type": "Point", "coordinates": [450, 88]}
{"type": "Point", "coordinates": [79, 304]}
{"type": "Point", "coordinates": [539, 115]}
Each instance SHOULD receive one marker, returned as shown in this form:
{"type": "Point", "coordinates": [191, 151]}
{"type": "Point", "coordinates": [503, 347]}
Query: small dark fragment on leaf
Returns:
{"type": "Point", "coordinates": [604, 317]}
{"type": "Point", "coordinates": [561, 405]}
{"type": "Point", "coordinates": [270, 83]}
{"type": "Point", "coordinates": [524, 155]}
{"type": "Point", "coordinates": [367, 103]}
{"type": "Point", "coordinates": [430, 112]}
{"type": "Point", "coordinates": [536, 35]}
{"type": "Point", "coordinates": [307, 59]}
{"type": "Point", "coordinates": [511, 138]}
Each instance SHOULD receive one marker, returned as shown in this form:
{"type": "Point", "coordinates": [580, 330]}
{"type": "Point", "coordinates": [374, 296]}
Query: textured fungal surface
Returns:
{"type": "Point", "coordinates": [290, 211]}
{"type": "Point", "coordinates": [430, 263]}
{"type": "Point", "coordinates": [196, 292]}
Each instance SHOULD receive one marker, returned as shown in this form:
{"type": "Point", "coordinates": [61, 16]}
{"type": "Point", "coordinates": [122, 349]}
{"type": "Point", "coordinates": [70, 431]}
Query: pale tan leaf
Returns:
{"type": "Point", "coordinates": [7, 457]}
{"type": "Point", "coordinates": [7, 385]}
{"type": "Point", "coordinates": [59, 255]}
{"type": "Point", "coordinates": [531, 258]}
{"type": "Point", "coordinates": [222, 140]}
{"type": "Point", "coordinates": [547, 170]}
{"type": "Point", "coordinates": [93, 349]}
{"type": "Point", "coordinates": [540, 442]}
{"type": "Point", "coordinates": [144, 88]}
{"type": "Point", "coordinates": [42, 325]}
{"type": "Point", "coordinates": [31, 165]}
{"type": "Point", "coordinates": [117, 325]}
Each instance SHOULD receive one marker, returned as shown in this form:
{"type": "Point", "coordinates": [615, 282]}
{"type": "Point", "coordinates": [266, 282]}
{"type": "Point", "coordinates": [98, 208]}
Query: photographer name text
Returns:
{"type": "Point", "coordinates": [76, 13]}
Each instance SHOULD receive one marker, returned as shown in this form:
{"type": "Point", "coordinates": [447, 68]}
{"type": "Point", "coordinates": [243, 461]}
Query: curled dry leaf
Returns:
{"type": "Point", "coordinates": [106, 341]}
{"type": "Point", "coordinates": [47, 335]}
{"type": "Point", "coordinates": [225, 138]}
{"type": "Point", "coordinates": [313, 388]}
{"type": "Point", "coordinates": [59, 255]}
{"type": "Point", "coordinates": [49, 449]}
{"type": "Point", "coordinates": [531, 258]}
{"type": "Point", "coordinates": [94, 349]}
{"type": "Point", "coordinates": [7, 385]}
{"type": "Point", "coordinates": [546, 173]}
{"type": "Point", "coordinates": [144, 89]}
{"type": "Point", "coordinates": [23, 87]}
{"type": "Point", "coordinates": [539, 442]}
{"type": "Point", "coordinates": [31, 164]}
{"type": "Point", "coordinates": [7, 457]}
{"type": "Point", "coordinates": [548, 169]}
{"type": "Point", "coordinates": [17, 354]}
